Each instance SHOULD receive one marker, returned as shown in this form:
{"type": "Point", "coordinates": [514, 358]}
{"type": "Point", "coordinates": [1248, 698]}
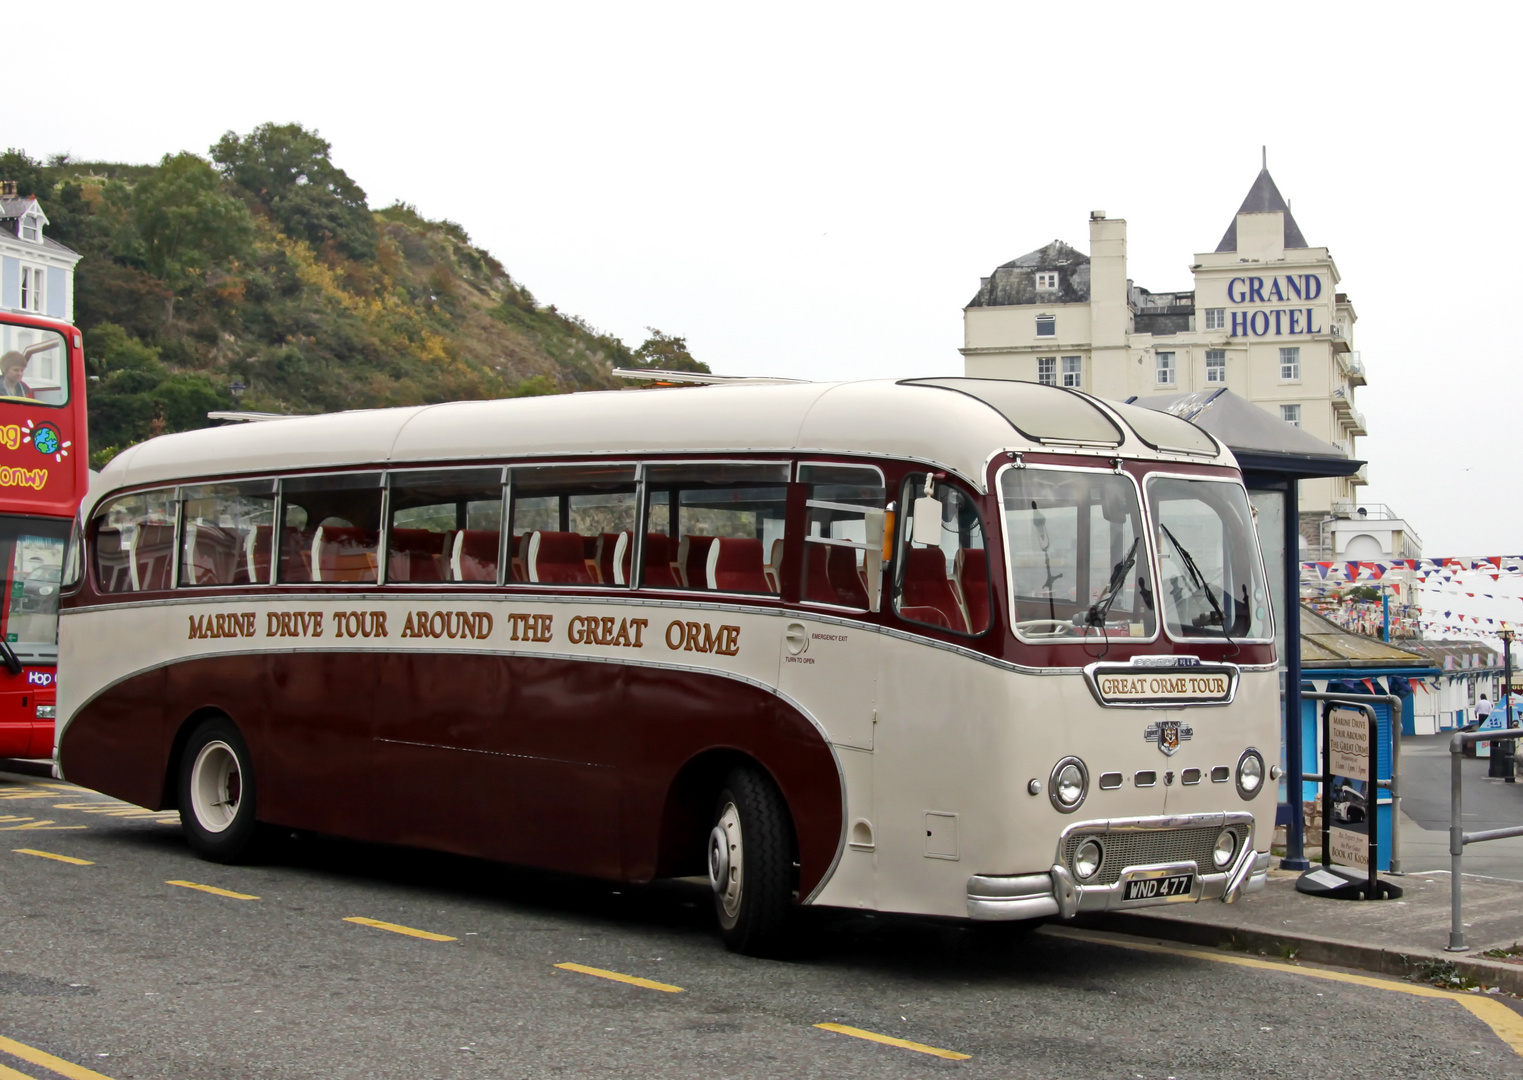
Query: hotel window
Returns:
{"type": "Point", "coordinates": [1047, 281]}
{"type": "Point", "coordinates": [1216, 318]}
{"type": "Point", "coordinates": [1290, 363]}
{"type": "Point", "coordinates": [1165, 361]}
{"type": "Point", "coordinates": [1216, 365]}
{"type": "Point", "coordinates": [1047, 370]}
{"type": "Point", "coordinates": [1071, 371]}
{"type": "Point", "coordinates": [32, 286]}
{"type": "Point", "coordinates": [1291, 414]}
{"type": "Point", "coordinates": [1046, 325]}
{"type": "Point", "coordinates": [29, 230]}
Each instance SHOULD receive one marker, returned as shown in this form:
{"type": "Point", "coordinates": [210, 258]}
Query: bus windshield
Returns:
{"type": "Point", "coordinates": [1212, 584]}
{"type": "Point", "coordinates": [32, 551]}
{"type": "Point", "coordinates": [1078, 560]}
{"type": "Point", "coordinates": [34, 365]}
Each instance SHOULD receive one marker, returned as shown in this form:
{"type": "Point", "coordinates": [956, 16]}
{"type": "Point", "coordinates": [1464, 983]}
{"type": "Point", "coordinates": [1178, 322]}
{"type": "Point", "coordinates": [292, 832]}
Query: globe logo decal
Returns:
{"type": "Point", "coordinates": [45, 439]}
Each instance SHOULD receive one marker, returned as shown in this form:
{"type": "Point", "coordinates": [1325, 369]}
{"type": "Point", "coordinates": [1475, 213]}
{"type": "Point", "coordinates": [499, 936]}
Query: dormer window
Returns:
{"type": "Point", "coordinates": [31, 228]}
{"type": "Point", "coordinates": [1047, 280]}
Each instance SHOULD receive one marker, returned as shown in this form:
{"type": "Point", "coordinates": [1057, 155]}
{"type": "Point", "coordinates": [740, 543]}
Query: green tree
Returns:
{"type": "Point", "coordinates": [186, 224]}
{"type": "Point", "coordinates": [667, 352]}
{"type": "Point", "coordinates": [286, 169]}
{"type": "Point", "coordinates": [27, 173]}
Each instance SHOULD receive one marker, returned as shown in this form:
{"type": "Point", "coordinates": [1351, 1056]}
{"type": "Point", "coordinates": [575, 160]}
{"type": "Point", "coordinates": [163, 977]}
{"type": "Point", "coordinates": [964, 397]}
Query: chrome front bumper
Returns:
{"type": "Point", "coordinates": [1055, 892]}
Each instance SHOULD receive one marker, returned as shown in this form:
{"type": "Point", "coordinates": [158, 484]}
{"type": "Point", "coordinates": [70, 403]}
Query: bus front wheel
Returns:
{"type": "Point", "coordinates": [750, 863]}
{"type": "Point", "coordinates": [216, 792]}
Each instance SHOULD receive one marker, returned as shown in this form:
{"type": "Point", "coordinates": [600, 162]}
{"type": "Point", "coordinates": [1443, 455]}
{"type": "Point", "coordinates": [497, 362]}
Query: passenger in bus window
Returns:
{"type": "Point", "coordinates": [12, 367]}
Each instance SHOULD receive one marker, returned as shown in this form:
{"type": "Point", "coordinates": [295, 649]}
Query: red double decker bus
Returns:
{"type": "Point", "coordinates": [44, 472]}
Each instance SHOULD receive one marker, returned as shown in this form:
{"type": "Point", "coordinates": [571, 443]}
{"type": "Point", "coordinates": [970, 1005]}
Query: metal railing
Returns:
{"type": "Point", "coordinates": [1458, 837]}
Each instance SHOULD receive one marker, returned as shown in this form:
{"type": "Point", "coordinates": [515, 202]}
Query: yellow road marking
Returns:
{"type": "Point", "coordinates": [213, 890]}
{"type": "Point", "coordinates": [47, 1061]}
{"type": "Point", "coordinates": [7, 1073]}
{"type": "Point", "coordinates": [396, 929]}
{"type": "Point", "coordinates": [889, 1040]}
{"type": "Point", "coordinates": [1506, 1024]}
{"type": "Point", "coordinates": [616, 976]}
{"type": "Point", "coordinates": [45, 826]}
{"type": "Point", "coordinates": [49, 855]}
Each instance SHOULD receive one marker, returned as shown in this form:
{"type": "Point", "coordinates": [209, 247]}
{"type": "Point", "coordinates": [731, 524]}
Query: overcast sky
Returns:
{"type": "Point", "coordinates": [815, 190]}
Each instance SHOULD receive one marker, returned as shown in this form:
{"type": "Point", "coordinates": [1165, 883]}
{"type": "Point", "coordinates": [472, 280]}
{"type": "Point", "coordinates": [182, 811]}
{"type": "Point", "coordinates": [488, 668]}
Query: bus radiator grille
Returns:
{"type": "Point", "coordinates": [1145, 847]}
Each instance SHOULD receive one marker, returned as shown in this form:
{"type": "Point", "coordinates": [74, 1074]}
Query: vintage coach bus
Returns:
{"type": "Point", "coordinates": [956, 647]}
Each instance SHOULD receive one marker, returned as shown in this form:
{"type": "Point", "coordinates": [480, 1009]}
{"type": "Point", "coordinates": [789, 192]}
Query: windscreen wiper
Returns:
{"type": "Point", "coordinates": [1200, 581]}
{"type": "Point", "coordinates": [1097, 612]}
{"type": "Point", "coordinates": [8, 656]}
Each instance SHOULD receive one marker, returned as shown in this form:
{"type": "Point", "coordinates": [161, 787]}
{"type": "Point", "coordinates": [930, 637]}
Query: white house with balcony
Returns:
{"type": "Point", "coordinates": [1265, 319]}
{"type": "Point", "coordinates": [36, 271]}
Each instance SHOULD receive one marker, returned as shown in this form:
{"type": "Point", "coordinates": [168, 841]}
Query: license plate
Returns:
{"type": "Point", "coordinates": [1159, 888]}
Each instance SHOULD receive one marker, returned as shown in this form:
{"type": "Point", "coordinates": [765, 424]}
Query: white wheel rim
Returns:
{"type": "Point", "coordinates": [216, 786]}
{"type": "Point", "coordinates": [727, 858]}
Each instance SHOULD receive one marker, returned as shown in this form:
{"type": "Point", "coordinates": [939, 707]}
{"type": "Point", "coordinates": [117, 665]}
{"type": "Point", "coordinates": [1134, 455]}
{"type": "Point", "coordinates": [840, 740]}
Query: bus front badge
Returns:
{"type": "Point", "coordinates": [1168, 734]}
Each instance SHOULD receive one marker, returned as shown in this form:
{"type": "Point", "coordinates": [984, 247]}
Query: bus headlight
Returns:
{"type": "Point", "coordinates": [1070, 783]}
{"type": "Point", "coordinates": [1226, 847]}
{"type": "Point", "coordinates": [1250, 773]}
{"type": "Point", "coordinates": [1087, 859]}
{"type": "Point", "coordinates": [47, 712]}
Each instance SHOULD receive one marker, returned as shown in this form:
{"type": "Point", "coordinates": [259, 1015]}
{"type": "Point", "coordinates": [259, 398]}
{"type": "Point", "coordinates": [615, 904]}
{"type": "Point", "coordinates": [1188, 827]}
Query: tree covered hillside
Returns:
{"type": "Point", "coordinates": [264, 266]}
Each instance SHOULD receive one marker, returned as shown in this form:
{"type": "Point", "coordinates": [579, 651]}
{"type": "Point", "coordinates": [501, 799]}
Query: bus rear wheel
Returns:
{"type": "Point", "coordinates": [216, 790]}
{"type": "Point", "coordinates": [750, 863]}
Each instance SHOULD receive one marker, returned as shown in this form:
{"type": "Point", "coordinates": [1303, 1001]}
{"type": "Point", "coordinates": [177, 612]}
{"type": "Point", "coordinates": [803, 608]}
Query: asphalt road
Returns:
{"type": "Point", "coordinates": [112, 966]}
{"type": "Point", "coordinates": [1487, 804]}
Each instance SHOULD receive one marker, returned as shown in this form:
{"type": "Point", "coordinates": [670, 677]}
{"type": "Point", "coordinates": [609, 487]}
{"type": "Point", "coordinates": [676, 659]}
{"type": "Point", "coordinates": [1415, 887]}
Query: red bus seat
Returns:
{"type": "Point", "coordinates": [417, 554]}
{"type": "Point", "coordinates": [212, 555]}
{"type": "Point", "coordinates": [774, 567]}
{"type": "Point", "coordinates": [735, 565]}
{"type": "Point", "coordinates": [152, 554]}
{"type": "Point", "coordinates": [832, 576]}
{"type": "Point", "coordinates": [256, 557]}
{"type": "Point", "coordinates": [613, 556]}
{"type": "Point", "coordinates": [343, 553]}
{"type": "Point", "coordinates": [113, 560]}
{"type": "Point", "coordinates": [558, 558]}
{"type": "Point", "coordinates": [475, 555]}
{"type": "Point", "coordinates": [516, 559]}
{"type": "Point", "coordinates": [972, 569]}
{"type": "Point", "coordinates": [926, 593]}
{"type": "Point", "coordinates": [657, 572]}
{"type": "Point", "coordinates": [295, 555]}
{"type": "Point", "coordinates": [692, 561]}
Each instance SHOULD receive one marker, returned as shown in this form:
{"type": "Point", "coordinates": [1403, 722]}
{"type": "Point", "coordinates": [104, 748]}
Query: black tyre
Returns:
{"type": "Point", "coordinates": [751, 864]}
{"type": "Point", "coordinates": [216, 789]}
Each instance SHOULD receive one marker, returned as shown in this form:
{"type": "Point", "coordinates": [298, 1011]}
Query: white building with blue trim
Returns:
{"type": "Point", "coordinates": [36, 272]}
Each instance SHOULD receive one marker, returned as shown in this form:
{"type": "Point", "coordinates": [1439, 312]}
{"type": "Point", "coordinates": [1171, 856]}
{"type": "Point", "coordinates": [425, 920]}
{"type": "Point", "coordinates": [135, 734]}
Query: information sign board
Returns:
{"type": "Point", "coordinates": [1348, 749]}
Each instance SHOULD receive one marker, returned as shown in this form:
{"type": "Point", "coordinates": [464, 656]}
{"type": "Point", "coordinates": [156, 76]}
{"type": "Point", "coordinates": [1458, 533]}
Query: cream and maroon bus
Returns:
{"type": "Point", "coordinates": [954, 647]}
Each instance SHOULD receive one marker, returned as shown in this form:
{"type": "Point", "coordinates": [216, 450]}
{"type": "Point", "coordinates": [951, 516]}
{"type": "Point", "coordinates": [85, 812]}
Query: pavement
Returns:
{"type": "Point", "coordinates": [1404, 937]}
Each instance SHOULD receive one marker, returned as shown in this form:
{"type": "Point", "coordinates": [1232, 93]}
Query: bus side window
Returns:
{"type": "Point", "coordinates": [331, 528]}
{"type": "Point", "coordinates": [445, 526]}
{"type": "Point", "coordinates": [572, 524]}
{"type": "Point", "coordinates": [134, 542]}
{"type": "Point", "coordinates": [716, 527]}
{"type": "Point", "coordinates": [227, 534]}
{"type": "Point", "coordinates": [836, 541]}
{"type": "Point", "coordinates": [944, 585]}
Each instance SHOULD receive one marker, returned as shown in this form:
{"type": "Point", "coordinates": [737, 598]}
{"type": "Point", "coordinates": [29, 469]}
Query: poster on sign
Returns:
{"type": "Point", "coordinates": [1348, 743]}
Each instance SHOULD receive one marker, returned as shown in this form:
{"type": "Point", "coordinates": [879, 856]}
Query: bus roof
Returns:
{"type": "Point", "coordinates": [956, 424]}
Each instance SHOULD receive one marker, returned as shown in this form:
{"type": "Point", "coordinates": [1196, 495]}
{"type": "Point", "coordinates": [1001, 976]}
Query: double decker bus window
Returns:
{"type": "Point", "coordinates": [573, 525]}
{"type": "Point", "coordinates": [34, 365]}
{"type": "Point", "coordinates": [446, 525]}
{"type": "Point", "coordinates": [835, 540]}
{"type": "Point", "coordinates": [228, 534]}
{"type": "Point", "coordinates": [715, 526]}
{"type": "Point", "coordinates": [135, 542]}
{"type": "Point", "coordinates": [1078, 560]}
{"type": "Point", "coordinates": [331, 532]}
{"type": "Point", "coordinates": [32, 551]}
{"type": "Point", "coordinates": [945, 585]}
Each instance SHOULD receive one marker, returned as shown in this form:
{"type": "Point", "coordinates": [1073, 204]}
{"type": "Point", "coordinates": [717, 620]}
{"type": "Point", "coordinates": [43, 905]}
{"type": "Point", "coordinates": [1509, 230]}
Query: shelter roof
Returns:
{"type": "Point", "coordinates": [1258, 438]}
{"type": "Point", "coordinates": [1325, 644]}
